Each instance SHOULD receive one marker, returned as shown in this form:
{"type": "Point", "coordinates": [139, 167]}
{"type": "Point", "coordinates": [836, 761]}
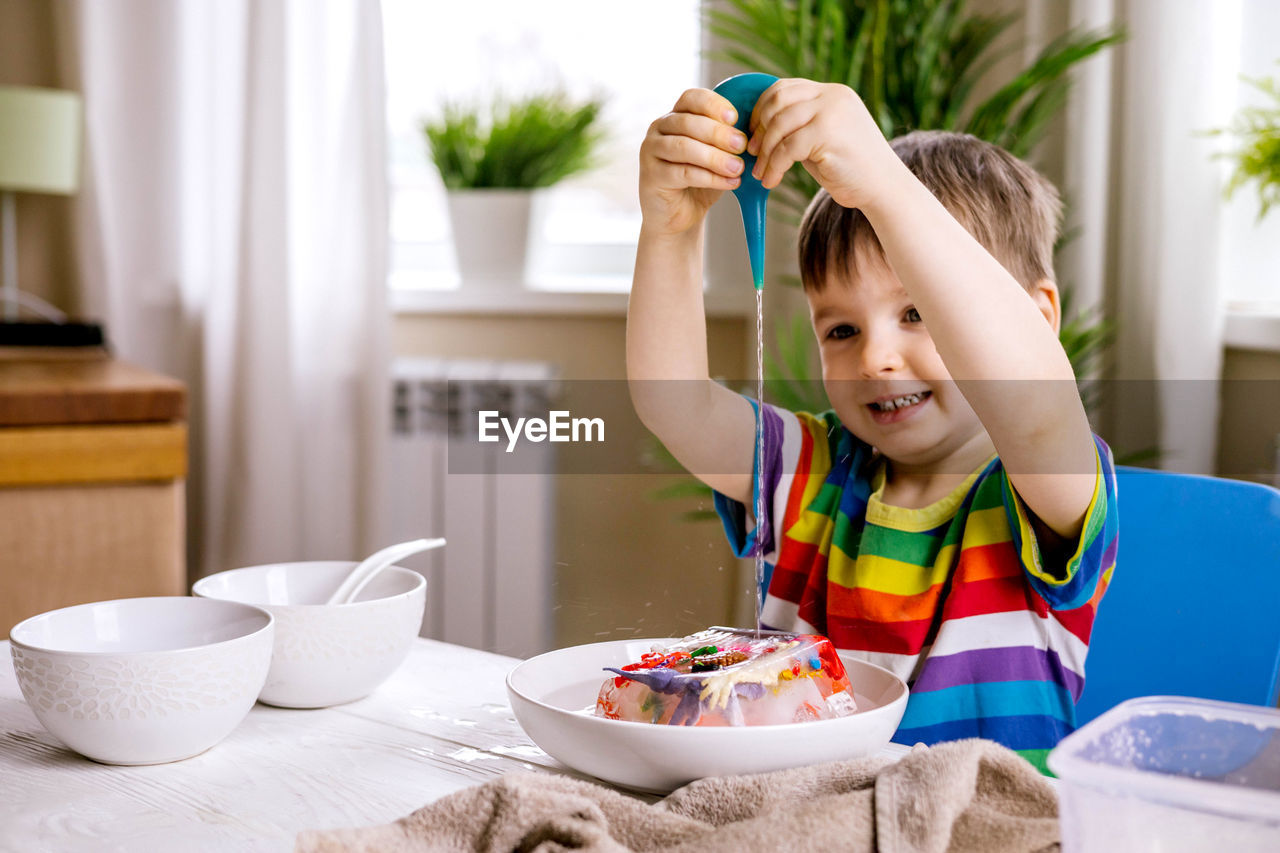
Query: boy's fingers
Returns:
{"type": "Point", "coordinates": [782, 143]}
{"type": "Point", "coordinates": [771, 172]}
{"type": "Point", "coordinates": [691, 176]}
{"type": "Point", "coordinates": [794, 149]}
{"type": "Point", "coordinates": [683, 150]}
{"type": "Point", "coordinates": [780, 123]}
{"type": "Point", "coordinates": [681, 176]}
{"type": "Point", "coordinates": [769, 119]}
{"type": "Point", "coordinates": [771, 100]}
{"type": "Point", "coordinates": [707, 103]}
{"type": "Point", "coordinates": [703, 129]}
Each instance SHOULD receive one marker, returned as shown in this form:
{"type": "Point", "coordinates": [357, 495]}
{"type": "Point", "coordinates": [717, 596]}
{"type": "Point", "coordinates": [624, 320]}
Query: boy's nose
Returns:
{"type": "Point", "coordinates": [879, 356]}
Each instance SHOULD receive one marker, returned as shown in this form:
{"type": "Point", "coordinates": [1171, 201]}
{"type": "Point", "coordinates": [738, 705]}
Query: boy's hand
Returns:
{"type": "Point", "coordinates": [687, 160]}
{"type": "Point", "coordinates": [826, 128]}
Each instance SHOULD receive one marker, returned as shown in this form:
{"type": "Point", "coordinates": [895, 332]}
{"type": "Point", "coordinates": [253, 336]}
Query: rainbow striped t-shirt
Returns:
{"type": "Point", "coordinates": [954, 597]}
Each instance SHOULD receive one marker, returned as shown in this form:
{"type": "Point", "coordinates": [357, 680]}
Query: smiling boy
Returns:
{"type": "Point", "coordinates": [952, 518]}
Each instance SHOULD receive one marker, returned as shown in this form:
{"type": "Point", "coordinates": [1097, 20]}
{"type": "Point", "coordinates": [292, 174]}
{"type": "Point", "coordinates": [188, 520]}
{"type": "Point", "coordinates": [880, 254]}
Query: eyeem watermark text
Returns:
{"type": "Point", "coordinates": [558, 426]}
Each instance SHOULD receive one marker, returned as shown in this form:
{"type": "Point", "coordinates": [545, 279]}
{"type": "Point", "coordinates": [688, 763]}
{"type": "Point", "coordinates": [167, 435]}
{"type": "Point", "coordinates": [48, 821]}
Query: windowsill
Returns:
{"type": "Point", "coordinates": [1248, 326]}
{"type": "Point", "coordinates": [572, 295]}
{"type": "Point", "coordinates": [1252, 326]}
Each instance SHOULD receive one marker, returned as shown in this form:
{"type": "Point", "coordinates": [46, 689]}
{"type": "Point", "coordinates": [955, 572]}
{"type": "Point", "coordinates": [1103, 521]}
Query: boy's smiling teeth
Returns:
{"type": "Point", "coordinates": [899, 402]}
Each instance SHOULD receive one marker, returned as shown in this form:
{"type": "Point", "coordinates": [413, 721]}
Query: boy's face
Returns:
{"type": "Point", "coordinates": [883, 375]}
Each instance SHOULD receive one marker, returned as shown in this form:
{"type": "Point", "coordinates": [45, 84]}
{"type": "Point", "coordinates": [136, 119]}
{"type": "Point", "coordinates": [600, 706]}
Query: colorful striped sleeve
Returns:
{"type": "Point", "coordinates": [1075, 582]}
{"type": "Point", "coordinates": [797, 455]}
{"type": "Point", "coordinates": [746, 537]}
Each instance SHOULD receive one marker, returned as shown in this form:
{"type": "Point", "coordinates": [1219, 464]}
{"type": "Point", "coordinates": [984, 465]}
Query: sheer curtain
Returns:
{"type": "Point", "coordinates": [233, 232]}
{"type": "Point", "coordinates": [1146, 206]}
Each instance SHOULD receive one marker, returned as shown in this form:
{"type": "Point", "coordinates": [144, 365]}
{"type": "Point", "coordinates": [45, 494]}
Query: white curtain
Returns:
{"type": "Point", "coordinates": [233, 232]}
{"type": "Point", "coordinates": [1146, 203]}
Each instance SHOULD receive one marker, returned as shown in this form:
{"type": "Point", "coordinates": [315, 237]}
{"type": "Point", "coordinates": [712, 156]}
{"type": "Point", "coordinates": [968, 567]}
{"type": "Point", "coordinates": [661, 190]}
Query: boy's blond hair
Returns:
{"type": "Point", "coordinates": [1009, 207]}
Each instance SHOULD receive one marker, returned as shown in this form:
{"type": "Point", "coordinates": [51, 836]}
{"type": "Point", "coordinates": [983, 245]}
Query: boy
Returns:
{"type": "Point", "coordinates": [952, 518]}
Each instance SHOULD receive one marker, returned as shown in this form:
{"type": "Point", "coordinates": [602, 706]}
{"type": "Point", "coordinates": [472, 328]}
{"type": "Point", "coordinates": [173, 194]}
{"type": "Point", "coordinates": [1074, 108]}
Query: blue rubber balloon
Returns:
{"type": "Point", "coordinates": [743, 90]}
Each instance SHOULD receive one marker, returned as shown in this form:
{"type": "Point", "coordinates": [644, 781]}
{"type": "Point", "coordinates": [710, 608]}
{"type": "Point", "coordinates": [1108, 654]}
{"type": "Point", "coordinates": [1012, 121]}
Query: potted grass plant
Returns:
{"type": "Point", "coordinates": [495, 160]}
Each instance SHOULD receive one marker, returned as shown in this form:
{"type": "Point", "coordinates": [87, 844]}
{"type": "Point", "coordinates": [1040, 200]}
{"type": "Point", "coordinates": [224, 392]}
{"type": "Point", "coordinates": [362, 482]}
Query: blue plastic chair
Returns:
{"type": "Point", "coordinates": [1194, 605]}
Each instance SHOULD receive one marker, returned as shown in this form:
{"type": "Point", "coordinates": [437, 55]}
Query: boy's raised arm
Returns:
{"type": "Point", "coordinates": [992, 336]}
{"type": "Point", "coordinates": [687, 161]}
{"type": "Point", "coordinates": [1005, 358]}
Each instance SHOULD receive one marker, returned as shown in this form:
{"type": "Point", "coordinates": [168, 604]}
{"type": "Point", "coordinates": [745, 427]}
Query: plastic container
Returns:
{"type": "Point", "coordinates": [1166, 773]}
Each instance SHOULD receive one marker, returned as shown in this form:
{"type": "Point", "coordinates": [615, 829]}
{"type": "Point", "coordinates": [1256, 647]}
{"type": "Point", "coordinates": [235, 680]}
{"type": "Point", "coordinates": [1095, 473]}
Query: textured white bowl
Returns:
{"type": "Point", "coordinates": [143, 680]}
{"type": "Point", "coordinates": [327, 654]}
{"type": "Point", "coordinates": [553, 696]}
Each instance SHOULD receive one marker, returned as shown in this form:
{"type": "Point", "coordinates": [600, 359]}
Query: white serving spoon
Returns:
{"type": "Point", "coordinates": [370, 566]}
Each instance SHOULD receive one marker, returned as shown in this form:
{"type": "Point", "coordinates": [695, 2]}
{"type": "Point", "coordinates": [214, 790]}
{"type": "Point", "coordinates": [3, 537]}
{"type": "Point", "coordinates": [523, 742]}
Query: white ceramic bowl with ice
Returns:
{"type": "Point", "coordinates": [143, 680]}
{"type": "Point", "coordinates": [327, 654]}
{"type": "Point", "coordinates": [553, 696]}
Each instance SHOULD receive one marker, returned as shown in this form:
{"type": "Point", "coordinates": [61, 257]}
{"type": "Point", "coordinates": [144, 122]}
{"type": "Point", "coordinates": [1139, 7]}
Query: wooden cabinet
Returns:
{"type": "Point", "coordinates": [93, 458]}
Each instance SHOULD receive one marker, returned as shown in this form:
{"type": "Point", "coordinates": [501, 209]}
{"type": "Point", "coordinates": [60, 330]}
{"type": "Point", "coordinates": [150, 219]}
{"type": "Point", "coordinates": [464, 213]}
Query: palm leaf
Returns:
{"type": "Point", "coordinates": [930, 78]}
{"type": "Point", "coordinates": [833, 57]}
{"type": "Point", "coordinates": [740, 25]}
{"type": "Point", "coordinates": [1028, 124]}
{"type": "Point", "coordinates": [861, 39]}
{"type": "Point", "coordinates": [972, 56]}
{"type": "Point", "coordinates": [992, 115]}
{"type": "Point", "coordinates": [875, 93]}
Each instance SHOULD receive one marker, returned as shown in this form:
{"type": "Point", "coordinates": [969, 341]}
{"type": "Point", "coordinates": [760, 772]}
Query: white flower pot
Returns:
{"type": "Point", "coordinates": [492, 233]}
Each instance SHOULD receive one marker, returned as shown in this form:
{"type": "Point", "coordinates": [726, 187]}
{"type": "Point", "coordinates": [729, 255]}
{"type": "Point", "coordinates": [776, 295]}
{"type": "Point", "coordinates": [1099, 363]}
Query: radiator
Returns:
{"type": "Point", "coordinates": [491, 586]}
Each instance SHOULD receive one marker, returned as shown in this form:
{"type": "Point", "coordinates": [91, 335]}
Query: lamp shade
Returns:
{"type": "Point", "coordinates": [39, 140]}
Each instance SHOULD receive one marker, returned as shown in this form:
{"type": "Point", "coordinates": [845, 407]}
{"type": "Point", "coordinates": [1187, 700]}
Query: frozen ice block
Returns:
{"type": "Point", "coordinates": [730, 677]}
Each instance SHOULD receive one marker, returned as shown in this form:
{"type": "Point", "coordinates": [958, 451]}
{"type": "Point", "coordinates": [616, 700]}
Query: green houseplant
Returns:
{"type": "Point", "coordinates": [494, 159]}
{"type": "Point", "coordinates": [1256, 131]}
{"type": "Point", "coordinates": [918, 64]}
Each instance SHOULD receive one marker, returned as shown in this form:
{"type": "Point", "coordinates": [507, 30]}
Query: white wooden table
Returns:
{"type": "Point", "coordinates": [440, 724]}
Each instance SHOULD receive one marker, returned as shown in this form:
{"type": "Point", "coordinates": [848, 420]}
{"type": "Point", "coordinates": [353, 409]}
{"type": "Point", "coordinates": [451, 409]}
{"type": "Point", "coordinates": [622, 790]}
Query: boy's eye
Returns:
{"type": "Point", "coordinates": [912, 316]}
{"type": "Point", "coordinates": [842, 331]}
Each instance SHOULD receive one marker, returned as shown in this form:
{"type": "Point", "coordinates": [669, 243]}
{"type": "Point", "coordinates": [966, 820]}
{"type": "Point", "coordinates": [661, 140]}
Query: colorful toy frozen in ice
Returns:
{"type": "Point", "coordinates": [730, 677]}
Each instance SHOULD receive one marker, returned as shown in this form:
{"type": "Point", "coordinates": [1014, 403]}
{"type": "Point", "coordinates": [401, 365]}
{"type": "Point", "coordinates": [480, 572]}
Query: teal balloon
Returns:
{"type": "Point", "coordinates": [743, 90]}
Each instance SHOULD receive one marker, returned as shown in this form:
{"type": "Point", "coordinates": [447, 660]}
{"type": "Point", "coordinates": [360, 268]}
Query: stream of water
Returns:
{"type": "Point", "coordinates": [759, 481]}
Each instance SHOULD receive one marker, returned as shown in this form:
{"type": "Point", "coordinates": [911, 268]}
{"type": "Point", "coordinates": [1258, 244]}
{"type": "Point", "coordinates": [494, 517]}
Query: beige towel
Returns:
{"type": "Point", "coordinates": [971, 795]}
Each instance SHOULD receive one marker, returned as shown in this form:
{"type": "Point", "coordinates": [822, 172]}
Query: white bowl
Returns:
{"type": "Point", "coordinates": [327, 654]}
{"type": "Point", "coordinates": [143, 680]}
{"type": "Point", "coordinates": [553, 696]}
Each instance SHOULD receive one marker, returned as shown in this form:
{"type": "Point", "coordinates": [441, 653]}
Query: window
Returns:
{"type": "Point", "coordinates": [1251, 249]}
{"type": "Point", "coordinates": [638, 56]}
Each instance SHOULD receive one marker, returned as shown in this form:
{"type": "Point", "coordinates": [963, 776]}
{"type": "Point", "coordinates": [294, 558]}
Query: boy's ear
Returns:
{"type": "Point", "coordinates": [1049, 301]}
